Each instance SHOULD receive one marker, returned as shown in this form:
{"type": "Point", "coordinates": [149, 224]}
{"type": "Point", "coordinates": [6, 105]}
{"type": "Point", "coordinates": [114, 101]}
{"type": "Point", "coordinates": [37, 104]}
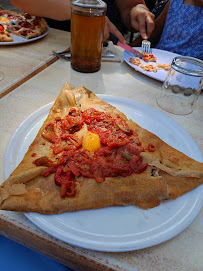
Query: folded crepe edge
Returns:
{"type": "Point", "coordinates": [15, 184]}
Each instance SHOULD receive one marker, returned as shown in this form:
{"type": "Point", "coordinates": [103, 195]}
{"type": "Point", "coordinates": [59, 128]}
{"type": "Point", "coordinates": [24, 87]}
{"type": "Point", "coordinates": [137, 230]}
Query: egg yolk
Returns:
{"type": "Point", "coordinates": [4, 20]}
{"type": "Point", "coordinates": [91, 142]}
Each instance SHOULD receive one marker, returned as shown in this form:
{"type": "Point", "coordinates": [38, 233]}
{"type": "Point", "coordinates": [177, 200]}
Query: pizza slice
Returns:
{"type": "Point", "coordinates": [88, 155]}
{"type": "Point", "coordinates": [22, 24]}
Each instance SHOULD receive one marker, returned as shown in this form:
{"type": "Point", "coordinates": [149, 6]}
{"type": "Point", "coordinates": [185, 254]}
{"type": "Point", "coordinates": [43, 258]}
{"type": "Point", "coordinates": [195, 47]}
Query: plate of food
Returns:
{"type": "Point", "coordinates": [19, 28]}
{"type": "Point", "coordinates": [155, 65]}
{"type": "Point", "coordinates": [96, 178]}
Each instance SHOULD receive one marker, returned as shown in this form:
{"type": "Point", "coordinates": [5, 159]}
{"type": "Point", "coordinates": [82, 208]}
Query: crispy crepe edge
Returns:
{"type": "Point", "coordinates": [19, 193]}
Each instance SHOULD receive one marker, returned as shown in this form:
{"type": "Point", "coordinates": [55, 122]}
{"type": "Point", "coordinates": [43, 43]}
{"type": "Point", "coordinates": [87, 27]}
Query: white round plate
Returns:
{"type": "Point", "coordinates": [21, 40]}
{"type": "Point", "coordinates": [162, 56]}
{"type": "Point", "coordinates": [116, 228]}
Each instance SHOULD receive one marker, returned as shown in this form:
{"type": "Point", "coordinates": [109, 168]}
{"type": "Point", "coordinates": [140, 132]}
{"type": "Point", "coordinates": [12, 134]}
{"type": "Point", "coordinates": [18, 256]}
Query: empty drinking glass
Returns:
{"type": "Point", "coordinates": [182, 86]}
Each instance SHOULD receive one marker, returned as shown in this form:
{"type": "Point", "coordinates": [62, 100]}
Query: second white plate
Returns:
{"type": "Point", "coordinates": [162, 56]}
{"type": "Point", "coordinates": [116, 228]}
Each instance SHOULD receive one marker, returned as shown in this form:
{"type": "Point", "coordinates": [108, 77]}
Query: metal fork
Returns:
{"type": "Point", "coordinates": [146, 47]}
{"type": "Point", "coordinates": [65, 54]}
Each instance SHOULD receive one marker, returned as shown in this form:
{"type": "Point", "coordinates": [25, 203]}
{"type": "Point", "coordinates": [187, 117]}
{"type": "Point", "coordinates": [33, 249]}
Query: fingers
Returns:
{"type": "Point", "coordinates": [142, 20]}
{"type": "Point", "coordinates": [141, 26]}
{"type": "Point", "coordinates": [150, 25]}
{"type": "Point", "coordinates": [110, 28]}
{"type": "Point", "coordinates": [106, 30]}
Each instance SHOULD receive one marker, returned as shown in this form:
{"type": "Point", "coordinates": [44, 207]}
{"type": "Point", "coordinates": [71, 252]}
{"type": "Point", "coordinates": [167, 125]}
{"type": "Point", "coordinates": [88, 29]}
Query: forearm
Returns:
{"type": "Point", "coordinates": [53, 9]}
{"type": "Point", "coordinates": [125, 9]}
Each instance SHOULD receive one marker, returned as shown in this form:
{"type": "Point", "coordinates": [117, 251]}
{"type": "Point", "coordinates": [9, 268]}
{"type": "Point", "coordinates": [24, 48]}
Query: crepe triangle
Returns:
{"type": "Point", "coordinates": [169, 173]}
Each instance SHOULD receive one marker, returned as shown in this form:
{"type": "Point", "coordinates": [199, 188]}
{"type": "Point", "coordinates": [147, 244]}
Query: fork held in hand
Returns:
{"type": "Point", "coordinates": [146, 46]}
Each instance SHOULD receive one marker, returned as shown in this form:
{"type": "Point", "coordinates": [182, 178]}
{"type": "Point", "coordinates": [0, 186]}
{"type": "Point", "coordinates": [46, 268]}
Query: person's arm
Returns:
{"type": "Point", "coordinates": [110, 28]}
{"type": "Point", "coordinates": [54, 9]}
{"type": "Point", "coordinates": [136, 16]}
{"type": "Point", "coordinates": [160, 22]}
{"type": "Point", "coordinates": [59, 10]}
{"type": "Point", "coordinates": [159, 25]}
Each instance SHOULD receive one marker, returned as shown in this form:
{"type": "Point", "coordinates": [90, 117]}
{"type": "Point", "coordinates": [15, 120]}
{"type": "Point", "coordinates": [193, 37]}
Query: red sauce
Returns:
{"type": "Point", "coordinates": [1, 28]}
{"type": "Point", "coordinates": [119, 154]}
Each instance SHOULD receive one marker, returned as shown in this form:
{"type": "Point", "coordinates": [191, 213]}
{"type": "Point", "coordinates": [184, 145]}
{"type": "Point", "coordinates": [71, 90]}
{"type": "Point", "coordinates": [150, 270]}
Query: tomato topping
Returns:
{"type": "Point", "coordinates": [49, 171]}
{"type": "Point", "coordinates": [25, 24]}
{"type": "Point", "coordinates": [14, 17]}
{"type": "Point", "coordinates": [61, 176]}
{"type": "Point", "coordinates": [68, 189]}
{"type": "Point", "coordinates": [1, 28]}
{"type": "Point", "coordinates": [34, 154]}
{"type": "Point", "coordinates": [117, 154]}
{"type": "Point", "coordinates": [65, 180]}
{"type": "Point", "coordinates": [74, 169]}
{"type": "Point", "coordinates": [58, 147]}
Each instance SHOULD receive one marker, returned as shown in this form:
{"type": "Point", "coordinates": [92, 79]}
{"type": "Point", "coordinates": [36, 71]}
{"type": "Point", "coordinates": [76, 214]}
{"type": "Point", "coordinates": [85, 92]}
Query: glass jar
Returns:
{"type": "Point", "coordinates": [182, 85]}
{"type": "Point", "coordinates": [87, 32]}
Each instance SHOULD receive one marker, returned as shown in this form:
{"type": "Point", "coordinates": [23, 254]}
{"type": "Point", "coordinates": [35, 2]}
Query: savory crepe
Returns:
{"type": "Point", "coordinates": [88, 155]}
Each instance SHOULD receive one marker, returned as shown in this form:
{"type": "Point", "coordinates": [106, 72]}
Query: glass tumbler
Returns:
{"type": "Point", "coordinates": [182, 86]}
{"type": "Point", "coordinates": [87, 33]}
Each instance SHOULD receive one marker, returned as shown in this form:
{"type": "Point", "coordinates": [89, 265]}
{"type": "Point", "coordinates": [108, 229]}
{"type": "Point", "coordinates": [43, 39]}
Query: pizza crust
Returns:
{"type": "Point", "coordinates": [169, 174]}
{"type": "Point", "coordinates": [5, 37]}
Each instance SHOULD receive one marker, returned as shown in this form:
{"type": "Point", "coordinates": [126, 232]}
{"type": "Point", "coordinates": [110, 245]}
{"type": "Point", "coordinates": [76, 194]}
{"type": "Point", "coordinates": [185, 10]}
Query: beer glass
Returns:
{"type": "Point", "coordinates": [87, 32]}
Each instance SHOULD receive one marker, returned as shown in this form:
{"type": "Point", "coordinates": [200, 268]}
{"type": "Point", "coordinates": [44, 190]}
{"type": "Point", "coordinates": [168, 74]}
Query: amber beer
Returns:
{"type": "Point", "coordinates": [87, 31]}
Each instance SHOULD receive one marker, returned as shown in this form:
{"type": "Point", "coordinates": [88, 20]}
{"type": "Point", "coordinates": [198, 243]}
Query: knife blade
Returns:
{"type": "Point", "coordinates": [130, 49]}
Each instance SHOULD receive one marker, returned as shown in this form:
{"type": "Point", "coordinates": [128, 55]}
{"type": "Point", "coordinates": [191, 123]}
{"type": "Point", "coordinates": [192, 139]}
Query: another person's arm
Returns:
{"type": "Point", "coordinates": [53, 9]}
{"type": "Point", "coordinates": [136, 16]}
{"type": "Point", "coordinates": [110, 28]}
{"type": "Point", "coordinates": [59, 10]}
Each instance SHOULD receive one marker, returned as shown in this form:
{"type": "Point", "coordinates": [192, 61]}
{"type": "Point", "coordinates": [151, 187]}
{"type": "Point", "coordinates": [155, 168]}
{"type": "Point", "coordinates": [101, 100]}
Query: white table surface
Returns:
{"type": "Point", "coordinates": [184, 252]}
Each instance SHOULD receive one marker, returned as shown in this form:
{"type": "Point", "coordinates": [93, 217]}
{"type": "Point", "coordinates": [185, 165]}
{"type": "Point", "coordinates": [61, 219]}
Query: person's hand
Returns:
{"type": "Point", "coordinates": [110, 28]}
{"type": "Point", "coordinates": [142, 20]}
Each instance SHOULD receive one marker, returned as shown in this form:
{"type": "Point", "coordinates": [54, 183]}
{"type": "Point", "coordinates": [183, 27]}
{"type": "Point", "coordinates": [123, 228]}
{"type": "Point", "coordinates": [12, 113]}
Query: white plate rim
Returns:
{"type": "Point", "coordinates": [160, 75]}
{"type": "Point", "coordinates": [115, 247]}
